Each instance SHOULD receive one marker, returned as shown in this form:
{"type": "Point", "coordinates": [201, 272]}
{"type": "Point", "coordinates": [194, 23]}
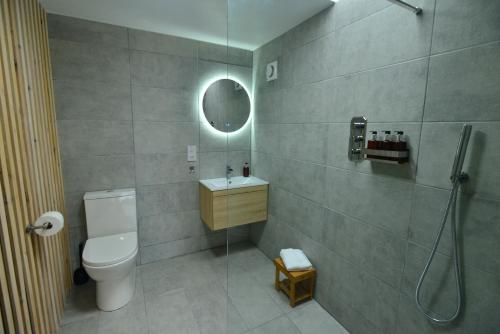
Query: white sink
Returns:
{"type": "Point", "coordinates": [232, 183]}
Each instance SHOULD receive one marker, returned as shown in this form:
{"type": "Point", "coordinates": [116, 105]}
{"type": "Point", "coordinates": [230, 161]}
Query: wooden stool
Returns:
{"type": "Point", "coordinates": [299, 285]}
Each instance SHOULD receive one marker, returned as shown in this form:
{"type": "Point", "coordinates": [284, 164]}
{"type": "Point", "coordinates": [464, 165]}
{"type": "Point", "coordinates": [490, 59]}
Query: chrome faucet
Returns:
{"type": "Point", "coordinates": [229, 170]}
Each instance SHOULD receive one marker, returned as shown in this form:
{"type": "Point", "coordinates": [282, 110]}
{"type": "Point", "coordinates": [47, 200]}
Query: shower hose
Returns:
{"type": "Point", "coordinates": [452, 200]}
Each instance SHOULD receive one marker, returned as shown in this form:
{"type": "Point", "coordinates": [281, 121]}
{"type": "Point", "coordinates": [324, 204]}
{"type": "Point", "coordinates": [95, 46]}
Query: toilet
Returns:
{"type": "Point", "coordinates": [109, 256]}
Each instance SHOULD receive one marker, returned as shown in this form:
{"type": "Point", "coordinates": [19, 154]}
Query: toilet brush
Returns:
{"type": "Point", "coordinates": [80, 276]}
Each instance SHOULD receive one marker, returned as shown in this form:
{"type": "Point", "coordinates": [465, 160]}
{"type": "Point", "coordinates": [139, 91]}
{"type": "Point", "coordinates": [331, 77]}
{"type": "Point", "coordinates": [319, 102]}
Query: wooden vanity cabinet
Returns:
{"type": "Point", "coordinates": [233, 207]}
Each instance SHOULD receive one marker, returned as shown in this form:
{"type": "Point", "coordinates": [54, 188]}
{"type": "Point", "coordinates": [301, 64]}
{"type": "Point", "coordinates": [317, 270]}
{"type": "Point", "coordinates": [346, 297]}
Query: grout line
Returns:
{"type": "Point", "coordinates": [325, 35]}
{"type": "Point", "coordinates": [465, 48]}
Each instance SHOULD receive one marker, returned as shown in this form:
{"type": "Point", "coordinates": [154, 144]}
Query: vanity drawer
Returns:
{"type": "Point", "coordinates": [227, 208]}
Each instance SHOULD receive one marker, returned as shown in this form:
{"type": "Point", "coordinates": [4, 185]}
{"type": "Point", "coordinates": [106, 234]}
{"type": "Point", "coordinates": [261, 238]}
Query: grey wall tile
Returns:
{"type": "Point", "coordinates": [355, 10]}
{"type": "Point", "coordinates": [325, 101]}
{"type": "Point", "coordinates": [81, 138]}
{"type": "Point", "coordinates": [376, 200]}
{"type": "Point", "coordinates": [162, 71]}
{"type": "Point", "coordinates": [305, 142]}
{"type": "Point", "coordinates": [210, 142]}
{"type": "Point", "coordinates": [75, 209]}
{"type": "Point", "coordinates": [213, 164]}
{"type": "Point", "coordinates": [411, 39]}
{"type": "Point", "coordinates": [83, 31]}
{"type": "Point", "coordinates": [304, 215]}
{"type": "Point", "coordinates": [168, 250]}
{"type": "Point", "coordinates": [395, 93]}
{"type": "Point", "coordinates": [268, 105]}
{"type": "Point", "coordinates": [167, 198]}
{"type": "Point", "coordinates": [377, 251]}
{"type": "Point", "coordinates": [164, 137]}
{"type": "Point", "coordinates": [163, 168]}
{"type": "Point", "coordinates": [223, 54]}
{"type": "Point", "coordinates": [463, 85]}
{"type": "Point", "coordinates": [266, 138]}
{"type": "Point", "coordinates": [158, 104]}
{"type": "Point", "coordinates": [98, 172]}
{"type": "Point", "coordinates": [437, 150]}
{"type": "Point", "coordinates": [89, 63]}
{"type": "Point", "coordinates": [303, 178]}
{"type": "Point", "coordinates": [373, 299]}
{"type": "Point", "coordinates": [266, 167]}
{"type": "Point", "coordinates": [92, 101]}
{"type": "Point", "coordinates": [465, 23]}
{"type": "Point", "coordinates": [169, 227]}
{"type": "Point", "coordinates": [154, 42]}
{"type": "Point", "coordinates": [315, 61]}
{"type": "Point", "coordinates": [311, 29]}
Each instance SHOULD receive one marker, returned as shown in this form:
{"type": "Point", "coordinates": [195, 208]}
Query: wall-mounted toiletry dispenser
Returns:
{"type": "Point", "coordinates": [382, 146]}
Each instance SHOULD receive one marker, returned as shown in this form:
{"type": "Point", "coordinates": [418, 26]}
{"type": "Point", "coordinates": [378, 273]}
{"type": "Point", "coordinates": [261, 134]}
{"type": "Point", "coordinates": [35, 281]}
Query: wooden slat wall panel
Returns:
{"type": "Point", "coordinates": [35, 273]}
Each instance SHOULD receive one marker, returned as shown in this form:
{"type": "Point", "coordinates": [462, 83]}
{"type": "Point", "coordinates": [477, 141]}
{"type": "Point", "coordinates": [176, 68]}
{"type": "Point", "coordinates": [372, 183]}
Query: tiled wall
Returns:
{"type": "Point", "coordinates": [368, 227]}
{"type": "Point", "coordinates": [126, 104]}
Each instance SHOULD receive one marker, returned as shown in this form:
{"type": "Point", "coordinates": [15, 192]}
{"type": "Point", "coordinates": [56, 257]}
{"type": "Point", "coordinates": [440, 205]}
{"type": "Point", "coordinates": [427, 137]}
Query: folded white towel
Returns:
{"type": "Point", "coordinates": [295, 259]}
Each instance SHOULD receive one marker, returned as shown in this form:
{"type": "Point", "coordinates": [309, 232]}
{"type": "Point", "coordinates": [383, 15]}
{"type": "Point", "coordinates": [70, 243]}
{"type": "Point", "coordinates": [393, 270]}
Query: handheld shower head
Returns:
{"type": "Point", "coordinates": [458, 163]}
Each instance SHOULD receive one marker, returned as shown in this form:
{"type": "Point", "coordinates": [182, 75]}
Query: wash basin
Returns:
{"type": "Point", "coordinates": [232, 183]}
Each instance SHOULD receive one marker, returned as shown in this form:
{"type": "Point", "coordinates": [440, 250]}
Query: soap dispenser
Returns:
{"type": "Point", "coordinates": [246, 169]}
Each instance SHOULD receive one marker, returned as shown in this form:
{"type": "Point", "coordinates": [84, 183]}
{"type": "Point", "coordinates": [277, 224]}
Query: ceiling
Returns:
{"type": "Point", "coordinates": [251, 23]}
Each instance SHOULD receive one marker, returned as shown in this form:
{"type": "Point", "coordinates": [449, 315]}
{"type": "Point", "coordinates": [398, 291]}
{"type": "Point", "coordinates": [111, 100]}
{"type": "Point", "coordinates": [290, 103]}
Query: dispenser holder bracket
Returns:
{"type": "Point", "coordinates": [359, 152]}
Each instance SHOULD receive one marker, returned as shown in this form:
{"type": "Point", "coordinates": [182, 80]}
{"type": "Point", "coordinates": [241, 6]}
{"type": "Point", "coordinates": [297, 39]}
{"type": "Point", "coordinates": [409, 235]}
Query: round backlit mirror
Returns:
{"type": "Point", "coordinates": [226, 105]}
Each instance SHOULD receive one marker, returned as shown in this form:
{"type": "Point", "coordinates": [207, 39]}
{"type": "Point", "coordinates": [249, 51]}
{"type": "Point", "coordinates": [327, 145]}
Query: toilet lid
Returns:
{"type": "Point", "coordinates": [111, 249]}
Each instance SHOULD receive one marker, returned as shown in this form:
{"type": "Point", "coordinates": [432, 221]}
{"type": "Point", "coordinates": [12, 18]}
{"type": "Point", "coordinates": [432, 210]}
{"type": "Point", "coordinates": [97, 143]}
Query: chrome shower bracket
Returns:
{"type": "Point", "coordinates": [416, 10]}
{"type": "Point", "coordinates": [357, 138]}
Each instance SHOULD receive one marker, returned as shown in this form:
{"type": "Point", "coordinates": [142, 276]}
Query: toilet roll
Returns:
{"type": "Point", "coordinates": [53, 217]}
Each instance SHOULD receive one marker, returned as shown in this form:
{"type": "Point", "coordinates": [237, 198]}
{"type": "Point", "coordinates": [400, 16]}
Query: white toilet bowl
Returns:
{"type": "Point", "coordinates": [110, 261]}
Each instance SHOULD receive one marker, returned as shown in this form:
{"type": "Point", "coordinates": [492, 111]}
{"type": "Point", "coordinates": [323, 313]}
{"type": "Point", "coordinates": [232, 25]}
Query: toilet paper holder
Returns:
{"type": "Point", "coordinates": [45, 226]}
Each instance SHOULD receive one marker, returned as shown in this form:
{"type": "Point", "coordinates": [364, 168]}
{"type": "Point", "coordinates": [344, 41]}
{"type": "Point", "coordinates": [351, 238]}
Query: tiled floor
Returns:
{"type": "Point", "coordinates": [188, 295]}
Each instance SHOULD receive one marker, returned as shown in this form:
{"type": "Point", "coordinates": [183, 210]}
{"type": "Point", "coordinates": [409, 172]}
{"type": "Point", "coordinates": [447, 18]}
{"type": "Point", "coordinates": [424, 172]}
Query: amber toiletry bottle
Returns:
{"type": "Point", "coordinates": [388, 143]}
{"type": "Point", "coordinates": [372, 142]}
{"type": "Point", "coordinates": [400, 142]}
{"type": "Point", "coordinates": [246, 170]}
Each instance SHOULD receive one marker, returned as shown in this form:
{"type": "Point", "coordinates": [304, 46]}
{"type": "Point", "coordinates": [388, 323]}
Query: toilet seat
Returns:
{"type": "Point", "coordinates": [109, 250]}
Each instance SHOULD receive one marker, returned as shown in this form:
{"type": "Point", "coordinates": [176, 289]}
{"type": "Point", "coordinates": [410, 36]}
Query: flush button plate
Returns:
{"type": "Point", "coordinates": [357, 138]}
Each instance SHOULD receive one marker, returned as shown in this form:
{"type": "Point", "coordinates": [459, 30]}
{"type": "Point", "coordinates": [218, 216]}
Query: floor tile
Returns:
{"type": "Point", "coordinates": [252, 301]}
{"type": "Point", "coordinates": [278, 325]}
{"type": "Point", "coordinates": [313, 319]}
{"type": "Point", "coordinates": [130, 319]}
{"type": "Point", "coordinates": [170, 313]}
{"type": "Point", "coordinates": [88, 325]}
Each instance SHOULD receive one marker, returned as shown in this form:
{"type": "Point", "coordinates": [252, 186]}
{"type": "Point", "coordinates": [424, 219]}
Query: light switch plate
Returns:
{"type": "Point", "coordinates": [191, 153]}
